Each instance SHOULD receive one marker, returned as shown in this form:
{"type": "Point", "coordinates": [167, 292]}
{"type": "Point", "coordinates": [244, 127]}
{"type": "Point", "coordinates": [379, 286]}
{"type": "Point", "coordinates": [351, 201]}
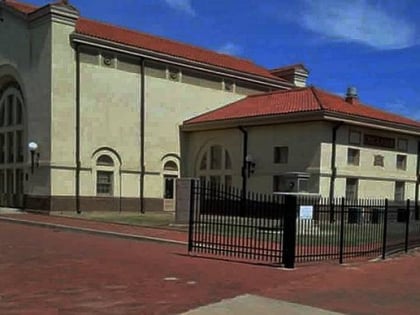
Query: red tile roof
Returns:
{"type": "Point", "coordinates": [160, 45]}
{"type": "Point", "coordinates": [309, 99]}
{"type": "Point", "coordinates": [22, 7]}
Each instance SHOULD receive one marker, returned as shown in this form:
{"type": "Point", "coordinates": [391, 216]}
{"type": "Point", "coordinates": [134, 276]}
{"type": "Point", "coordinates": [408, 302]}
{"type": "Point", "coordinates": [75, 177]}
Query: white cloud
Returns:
{"type": "Point", "coordinates": [358, 21]}
{"type": "Point", "coordinates": [182, 5]}
{"type": "Point", "coordinates": [230, 48]}
{"type": "Point", "coordinates": [401, 108]}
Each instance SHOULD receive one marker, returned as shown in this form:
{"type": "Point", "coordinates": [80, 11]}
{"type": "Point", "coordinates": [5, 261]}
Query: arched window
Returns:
{"type": "Point", "coordinates": [216, 166]}
{"type": "Point", "coordinates": [105, 160]}
{"type": "Point", "coordinates": [170, 166]}
{"type": "Point", "coordinates": [170, 173]}
{"type": "Point", "coordinates": [11, 146]}
{"type": "Point", "coordinates": [105, 176]}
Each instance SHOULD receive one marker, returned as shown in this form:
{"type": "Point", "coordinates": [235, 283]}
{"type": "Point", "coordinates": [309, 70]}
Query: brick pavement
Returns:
{"type": "Point", "coordinates": [160, 233]}
{"type": "Point", "coordinates": [50, 271]}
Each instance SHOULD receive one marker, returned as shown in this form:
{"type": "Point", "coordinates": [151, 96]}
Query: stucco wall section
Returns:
{"type": "Point", "coordinates": [25, 56]}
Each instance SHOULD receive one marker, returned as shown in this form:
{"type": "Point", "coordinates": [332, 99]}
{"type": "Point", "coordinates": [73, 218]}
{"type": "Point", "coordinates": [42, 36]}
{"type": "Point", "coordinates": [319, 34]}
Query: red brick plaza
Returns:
{"type": "Point", "coordinates": [52, 271]}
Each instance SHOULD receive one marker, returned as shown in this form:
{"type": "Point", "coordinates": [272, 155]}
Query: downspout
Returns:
{"type": "Point", "coordinates": [333, 168]}
{"type": "Point", "coordinates": [142, 123]}
{"type": "Point", "coordinates": [416, 193]}
{"type": "Point", "coordinates": [77, 150]}
{"type": "Point", "coordinates": [244, 153]}
{"type": "Point", "coordinates": [120, 199]}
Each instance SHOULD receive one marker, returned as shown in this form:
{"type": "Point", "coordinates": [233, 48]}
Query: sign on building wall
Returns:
{"type": "Point", "coordinates": [377, 141]}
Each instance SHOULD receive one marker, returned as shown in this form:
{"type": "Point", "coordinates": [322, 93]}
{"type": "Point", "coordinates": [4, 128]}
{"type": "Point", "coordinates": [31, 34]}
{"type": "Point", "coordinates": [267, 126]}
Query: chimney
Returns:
{"type": "Point", "coordinates": [295, 74]}
{"type": "Point", "coordinates": [351, 95]}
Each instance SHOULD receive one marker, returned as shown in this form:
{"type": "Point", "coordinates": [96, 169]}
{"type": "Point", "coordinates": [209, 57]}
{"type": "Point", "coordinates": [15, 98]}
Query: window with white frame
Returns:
{"type": "Point", "coordinates": [399, 194]}
{"type": "Point", "coordinates": [104, 175]}
{"type": "Point", "coordinates": [281, 155]}
{"type": "Point", "coordinates": [353, 156]}
{"type": "Point", "coordinates": [401, 162]}
{"type": "Point", "coordinates": [352, 188]}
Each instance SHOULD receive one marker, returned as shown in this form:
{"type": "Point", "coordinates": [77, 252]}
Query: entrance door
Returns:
{"type": "Point", "coordinates": [11, 148]}
{"type": "Point", "coordinates": [169, 192]}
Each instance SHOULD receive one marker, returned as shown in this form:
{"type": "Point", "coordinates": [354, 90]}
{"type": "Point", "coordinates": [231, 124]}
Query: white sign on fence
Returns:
{"type": "Point", "coordinates": [306, 212]}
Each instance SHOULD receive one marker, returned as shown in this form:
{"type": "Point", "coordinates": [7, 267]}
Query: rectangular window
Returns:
{"type": "Point", "coordinates": [403, 145]}
{"type": "Point", "coordinates": [399, 191]}
{"type": "Point", "coordinates": [401, 162]}
{"type": "Point", "coordinates": [169, 187]}
{"type": "Point", "coordinates": [355, 137]}
{"type": "Point", "coordinates": [278, 183]}
{"type": "Point", "coordinates": [353, 156]}
{"type": "Point", "coordinates": [104, 183]}
{"type": "Point", "coordinates": [378, 160]}
{"type": "Point", "coordinates": [281, 155]}
{"type": "Point", "coordinates": [351, 188]}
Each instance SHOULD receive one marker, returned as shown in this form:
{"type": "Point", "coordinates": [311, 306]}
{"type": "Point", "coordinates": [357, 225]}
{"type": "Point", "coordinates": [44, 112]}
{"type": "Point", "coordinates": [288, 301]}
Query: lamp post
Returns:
{"type": "Point", "coordinates": [250, 165]}
{"type": "Point", "coordinates": [33, 146]}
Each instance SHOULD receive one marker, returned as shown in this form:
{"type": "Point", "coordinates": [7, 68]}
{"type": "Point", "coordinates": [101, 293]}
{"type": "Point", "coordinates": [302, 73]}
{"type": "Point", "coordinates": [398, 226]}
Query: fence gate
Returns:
{"type": "Point", "coordinates": [223, 221]}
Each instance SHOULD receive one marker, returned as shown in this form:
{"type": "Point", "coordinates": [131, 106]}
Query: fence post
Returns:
{"type": "Point", "coordinates": [342, 230]}
{"type": "Point", "coordinates": [289, 231]}
{"type": "Point", "coordinates": [385, 229]}
{"type": "Point", "coordinates": [407, 224]}
{"type": "Point", "coordinates": [191, 219]}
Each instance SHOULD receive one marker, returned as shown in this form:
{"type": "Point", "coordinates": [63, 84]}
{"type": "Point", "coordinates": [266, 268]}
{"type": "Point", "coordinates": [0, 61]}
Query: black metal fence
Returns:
{"type": "Point", "coordinates": [286, 229]}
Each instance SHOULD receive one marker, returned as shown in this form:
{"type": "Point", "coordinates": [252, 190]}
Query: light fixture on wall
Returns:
{"type": "Point", "coordinates": [33, 147]}
{"type": "Point", "coordinates": [250, 165]}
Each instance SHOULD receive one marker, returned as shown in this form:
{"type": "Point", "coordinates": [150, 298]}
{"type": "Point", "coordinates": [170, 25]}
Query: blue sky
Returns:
{"type": "Point", "coordinates": [373, 45]}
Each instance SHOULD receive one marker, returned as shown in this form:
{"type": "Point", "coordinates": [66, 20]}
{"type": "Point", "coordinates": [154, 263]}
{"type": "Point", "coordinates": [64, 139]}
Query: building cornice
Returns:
{"type": "Point", "coordinates": [55, 13]}
{"type": "Point", "coordinates": [178, 61]}
{"type": "Point", "coordinates": [372, 123]}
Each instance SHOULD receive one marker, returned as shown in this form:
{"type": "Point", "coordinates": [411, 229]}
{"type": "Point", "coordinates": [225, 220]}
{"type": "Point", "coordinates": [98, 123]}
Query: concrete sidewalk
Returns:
{"type": "Point", "coordinates": [158, 234]}
{"type": "Point", "coordinates": [252, 304]}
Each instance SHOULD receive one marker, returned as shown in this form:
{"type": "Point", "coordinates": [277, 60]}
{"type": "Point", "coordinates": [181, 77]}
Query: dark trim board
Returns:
{"type": "Point", "coordinates": [47, 204]}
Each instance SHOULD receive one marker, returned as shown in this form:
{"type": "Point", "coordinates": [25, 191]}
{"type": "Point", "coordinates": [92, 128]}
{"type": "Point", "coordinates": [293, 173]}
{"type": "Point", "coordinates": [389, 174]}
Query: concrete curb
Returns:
{"type": "Point", "coordinates": [93, 231]}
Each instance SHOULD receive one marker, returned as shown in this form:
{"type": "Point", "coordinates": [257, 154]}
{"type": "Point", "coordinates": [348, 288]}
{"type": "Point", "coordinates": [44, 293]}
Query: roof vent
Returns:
{"type": "Point", "coordinates": [351, 95]}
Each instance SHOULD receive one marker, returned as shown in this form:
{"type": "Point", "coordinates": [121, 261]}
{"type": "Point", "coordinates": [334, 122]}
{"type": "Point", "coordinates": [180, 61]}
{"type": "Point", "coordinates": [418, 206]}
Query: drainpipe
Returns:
{"type": "Point", "coordinates": [142, 123]}
{"type": "Point", "coordinates": [333, 169]}
{"type": "Point", "coordinates": [244, 153]}
{"type": "Point", "coordinates": [416, 193]}
{"type": "Point", "coordinates": [77, 150]}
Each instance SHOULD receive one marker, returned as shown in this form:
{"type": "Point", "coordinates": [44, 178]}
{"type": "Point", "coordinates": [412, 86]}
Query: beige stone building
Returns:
{"type": "Point", "coordinates": [305, 140]}
{"type": "Point", "coordinates": [102, 106]}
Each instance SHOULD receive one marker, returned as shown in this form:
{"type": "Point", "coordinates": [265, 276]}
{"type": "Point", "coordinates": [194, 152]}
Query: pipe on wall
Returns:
{"type": "Point", "coordinates": [142, 124]}
{"type": "Point", "coordinates": [333, 168]}
{"type": "Point", "coordinates": [77, 127]}
{"type": "Point", "coordinates": [244, 153]}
